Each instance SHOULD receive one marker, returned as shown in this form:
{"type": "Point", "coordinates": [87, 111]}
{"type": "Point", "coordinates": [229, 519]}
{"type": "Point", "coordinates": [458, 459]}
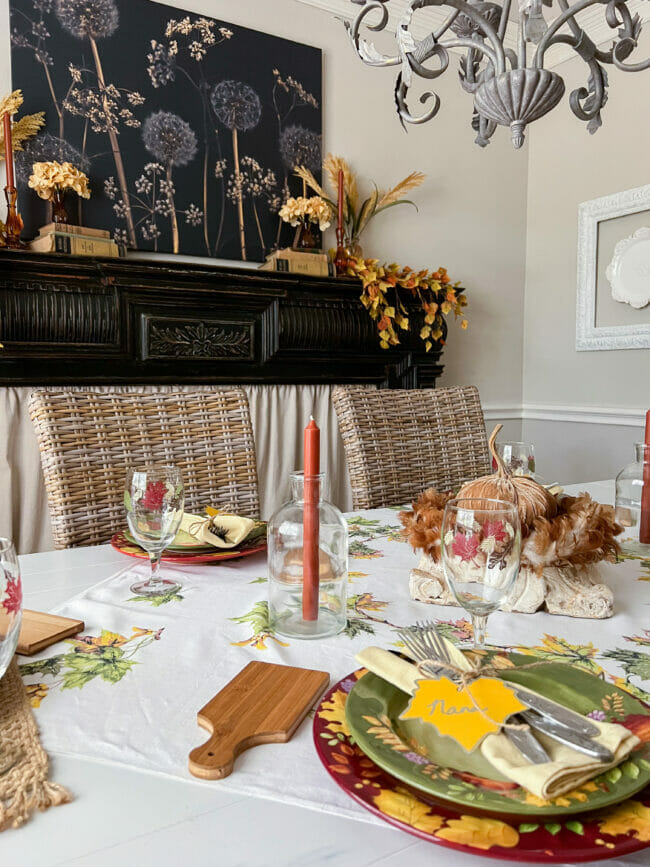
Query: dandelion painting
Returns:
{"type": "Point", "coordinates": [188, 128]}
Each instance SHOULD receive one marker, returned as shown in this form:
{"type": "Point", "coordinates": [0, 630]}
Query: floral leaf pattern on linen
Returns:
{"type": "Point", "coordinates": [370, 528]}
{"type": "Point", "coordinates": [635, 663]}
{"type": "Point", "coordinates": [360, 551]}
{"type": "Point", "coordinates": [104, 656]}
{"type": "Point", "coordinates": [259, 621]}
{"type": "Point", "coordinates": [361, 614]}
{"type": "Point", "coordinates": [159, 598]}
{"type": "Point", "coordinates": [556, 649]}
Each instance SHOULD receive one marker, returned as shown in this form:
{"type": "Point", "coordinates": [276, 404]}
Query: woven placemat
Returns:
{"type": "Point", "coordinates": [24, 785]}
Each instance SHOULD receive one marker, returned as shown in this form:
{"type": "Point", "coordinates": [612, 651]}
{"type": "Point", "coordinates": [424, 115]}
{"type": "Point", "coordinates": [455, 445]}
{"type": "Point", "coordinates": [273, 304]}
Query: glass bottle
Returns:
{"type": "Point", "coordinates": [285, 563]}
{"type": "Point", "coordinates": [629, 486]}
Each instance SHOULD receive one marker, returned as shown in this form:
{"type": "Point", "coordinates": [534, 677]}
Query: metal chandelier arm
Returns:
{"type": "Point", "coordinates": [366, 50]}
{"type": "Point", "coordinates": [554, 26]}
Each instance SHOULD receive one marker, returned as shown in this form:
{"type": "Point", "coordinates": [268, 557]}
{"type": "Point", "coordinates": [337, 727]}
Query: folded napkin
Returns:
{"type": "Point", "coordinates": [222, 531]}
{"type": "Point", "coordinates": [568, 768]}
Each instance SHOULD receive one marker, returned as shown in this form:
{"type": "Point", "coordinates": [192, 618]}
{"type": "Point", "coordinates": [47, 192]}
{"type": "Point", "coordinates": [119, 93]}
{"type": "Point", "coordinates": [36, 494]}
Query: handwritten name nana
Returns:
{"type": "Point", "coordinates": [440, 705]}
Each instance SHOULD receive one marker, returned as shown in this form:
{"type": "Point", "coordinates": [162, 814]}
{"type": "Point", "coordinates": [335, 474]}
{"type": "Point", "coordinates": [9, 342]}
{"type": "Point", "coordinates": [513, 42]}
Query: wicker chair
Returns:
{"type": "Point", "coordinates": [87, 439]}
{"type": "Point", "coordinates": [398, 443]}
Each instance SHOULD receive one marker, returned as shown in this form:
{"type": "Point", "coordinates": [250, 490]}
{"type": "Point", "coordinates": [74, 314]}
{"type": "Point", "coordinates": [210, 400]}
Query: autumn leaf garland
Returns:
{"type": "Point", "coordinates": [381, 288]}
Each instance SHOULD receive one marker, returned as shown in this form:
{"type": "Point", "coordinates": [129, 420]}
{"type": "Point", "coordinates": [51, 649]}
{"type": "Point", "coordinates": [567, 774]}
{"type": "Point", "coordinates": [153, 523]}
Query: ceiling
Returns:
{"type": "Point", "coordinates": [427, 20]}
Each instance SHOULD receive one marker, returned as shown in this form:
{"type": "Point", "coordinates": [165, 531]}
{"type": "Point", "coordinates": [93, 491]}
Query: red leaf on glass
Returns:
{"type": "Point", "coordinates": [13, 596]}
{"type": "Point", "coordinates": [496, 530]}
{"type": "Point", "coordinates": [154, 495]}
{"type": "Point", "coordinates": [464, 546]}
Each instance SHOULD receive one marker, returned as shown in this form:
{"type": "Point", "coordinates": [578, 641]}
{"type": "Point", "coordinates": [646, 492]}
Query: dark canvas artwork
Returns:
{"type": "Point", "coordinates": [187, 127]}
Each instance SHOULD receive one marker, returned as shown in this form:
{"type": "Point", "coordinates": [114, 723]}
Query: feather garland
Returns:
{"type": "Point", "coordinates": [582, 532]}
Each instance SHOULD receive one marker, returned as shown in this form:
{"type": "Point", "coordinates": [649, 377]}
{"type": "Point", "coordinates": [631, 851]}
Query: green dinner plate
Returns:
{"type": "Point", "coordinates": [414, 752]}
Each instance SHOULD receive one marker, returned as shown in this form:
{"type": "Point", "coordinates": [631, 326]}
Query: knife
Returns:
{"type": "Point", "coordinates": [570, 737]}
{"type": "Point", "coordinates": [527, 743]}
{"type": "Point", "coordinates": [557, 713]}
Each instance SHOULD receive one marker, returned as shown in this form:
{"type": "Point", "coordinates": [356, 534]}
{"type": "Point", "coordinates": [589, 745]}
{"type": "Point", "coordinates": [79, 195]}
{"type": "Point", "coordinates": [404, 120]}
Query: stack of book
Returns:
{"type": "Point", "coordinates": [313, 262]}
{"type": "Point", "coordinates": [76, 241]}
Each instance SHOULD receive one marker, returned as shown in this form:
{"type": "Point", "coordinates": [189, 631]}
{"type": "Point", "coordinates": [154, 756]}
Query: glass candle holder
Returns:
{"type": "Point", "coordinates": [629, 487]}
{"type": "Point", "coordinates": [292, 531]}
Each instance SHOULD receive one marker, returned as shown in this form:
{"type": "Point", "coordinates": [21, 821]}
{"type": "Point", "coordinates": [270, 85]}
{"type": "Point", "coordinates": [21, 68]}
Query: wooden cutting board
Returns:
{"type": "Point", "coordinates": [265, 703]}
{"type": "Point", "coordinates": [39, 630]}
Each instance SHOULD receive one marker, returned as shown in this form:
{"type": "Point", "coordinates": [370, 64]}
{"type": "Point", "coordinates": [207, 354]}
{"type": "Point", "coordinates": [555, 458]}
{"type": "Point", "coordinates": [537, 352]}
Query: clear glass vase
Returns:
{"type": "Point", "coordinates": [289, 533]}
{"type": "Point", "coordinates": [629, 488]}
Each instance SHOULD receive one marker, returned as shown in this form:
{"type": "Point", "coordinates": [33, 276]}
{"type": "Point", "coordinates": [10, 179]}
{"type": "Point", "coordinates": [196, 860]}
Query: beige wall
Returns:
{"type": "Point", "coordinates": [568, 166]}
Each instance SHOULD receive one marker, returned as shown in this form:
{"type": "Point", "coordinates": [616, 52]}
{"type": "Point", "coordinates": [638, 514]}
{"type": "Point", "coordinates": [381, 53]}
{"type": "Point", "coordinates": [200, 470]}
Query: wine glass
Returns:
{"type": "Point", "coordinates": [154, 498]}
{"type": "Point", "coordinates": [519, 458]}
{"type": "Point", "coordinates": [11, 602]}
{"type": "Point", "coordinates": [481, 547]}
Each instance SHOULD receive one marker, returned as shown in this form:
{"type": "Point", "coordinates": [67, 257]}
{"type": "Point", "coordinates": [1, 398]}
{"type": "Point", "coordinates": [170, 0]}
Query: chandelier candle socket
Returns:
{"type": "Point", "coordinates": [510, 85]}
{"type": "Point", "coordinates": [311, 529]}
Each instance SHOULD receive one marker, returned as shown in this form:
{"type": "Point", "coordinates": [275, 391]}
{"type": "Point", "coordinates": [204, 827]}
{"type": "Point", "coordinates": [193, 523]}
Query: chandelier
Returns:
{"type": "Point", "coordinates": [510, 85]}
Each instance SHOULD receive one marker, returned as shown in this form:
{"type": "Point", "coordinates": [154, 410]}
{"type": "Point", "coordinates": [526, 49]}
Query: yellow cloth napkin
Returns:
{"type": "Point", "coordinates": [568, 768]}
{"type": "Point", "coordinates": [231, 529]}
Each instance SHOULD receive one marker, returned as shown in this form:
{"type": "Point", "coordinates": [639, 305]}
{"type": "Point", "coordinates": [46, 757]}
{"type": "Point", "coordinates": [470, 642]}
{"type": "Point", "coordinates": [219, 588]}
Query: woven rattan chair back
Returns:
{"type": "Point", "coordinates": [87, 440]}
{"type": "Point", "coordinates": [398, 443]}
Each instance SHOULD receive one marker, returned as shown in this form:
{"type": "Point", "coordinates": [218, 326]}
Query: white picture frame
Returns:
{"type": "Point", "coordinates": [589, 336]}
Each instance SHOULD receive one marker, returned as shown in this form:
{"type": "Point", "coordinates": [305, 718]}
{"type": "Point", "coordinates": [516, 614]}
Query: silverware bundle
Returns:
{"type": "Point", "coordinates": [560, 723]}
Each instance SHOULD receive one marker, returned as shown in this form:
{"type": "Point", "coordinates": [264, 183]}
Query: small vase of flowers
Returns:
{"type": "Point", "coordinates": [306, 214]}
{"type": "Point", "coordinates": [52, 180]}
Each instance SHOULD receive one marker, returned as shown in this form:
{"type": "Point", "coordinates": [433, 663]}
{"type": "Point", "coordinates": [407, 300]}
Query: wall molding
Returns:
{"type": "Point", "coordinates": [429, 19]}
{"type": "Point", "coordinates": [609, 415]}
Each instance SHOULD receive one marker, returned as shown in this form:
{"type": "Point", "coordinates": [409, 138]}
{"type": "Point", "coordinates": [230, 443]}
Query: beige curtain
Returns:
{"type": "Point", "coordinates": [278, 412]}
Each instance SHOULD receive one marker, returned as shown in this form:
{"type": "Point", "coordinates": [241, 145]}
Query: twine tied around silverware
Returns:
{"type": "Point", "coordinates": [465, 678]}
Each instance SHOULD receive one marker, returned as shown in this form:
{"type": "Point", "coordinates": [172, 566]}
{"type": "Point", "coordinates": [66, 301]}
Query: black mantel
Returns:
{"type": "Point", "coordinates": [75, 320]}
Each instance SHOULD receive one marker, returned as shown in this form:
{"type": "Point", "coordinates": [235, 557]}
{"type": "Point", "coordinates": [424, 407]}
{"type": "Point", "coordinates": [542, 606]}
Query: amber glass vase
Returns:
{"type": "Point", "coordinates": [59, 213]}
{"type": "Point", "coordinates": [305, 238]}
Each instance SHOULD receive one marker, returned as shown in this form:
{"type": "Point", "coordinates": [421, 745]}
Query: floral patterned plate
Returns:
{"type": "Point", "coordinates": [415, 753]}
{"type": "Point", "coordinates": [610, 833]}
{"type": "Point", "coordinates": [121, 542]}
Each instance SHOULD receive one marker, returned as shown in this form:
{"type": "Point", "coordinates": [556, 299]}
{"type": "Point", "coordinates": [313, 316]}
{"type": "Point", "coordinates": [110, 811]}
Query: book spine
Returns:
{"type": "Point", "coordinates": [314, 269]}
{"type": "Point", "coordinates": [70, 229]}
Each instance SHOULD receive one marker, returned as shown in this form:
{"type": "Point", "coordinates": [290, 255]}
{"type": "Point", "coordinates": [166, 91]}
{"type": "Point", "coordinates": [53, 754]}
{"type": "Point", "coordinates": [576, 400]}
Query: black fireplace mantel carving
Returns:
{"type": "Point", "coordinates": [78, 321]}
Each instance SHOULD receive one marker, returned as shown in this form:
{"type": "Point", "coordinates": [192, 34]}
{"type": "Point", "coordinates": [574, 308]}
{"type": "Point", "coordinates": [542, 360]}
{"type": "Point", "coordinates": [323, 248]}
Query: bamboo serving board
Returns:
{"type": "Point", "coordinates": [265, 703]}
{"type": "Point", "coordinates": [39, 630]}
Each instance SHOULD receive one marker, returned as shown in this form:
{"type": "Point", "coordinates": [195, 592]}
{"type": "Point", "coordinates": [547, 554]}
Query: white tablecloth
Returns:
{"type": "Point", "coordinates": [128, 691]}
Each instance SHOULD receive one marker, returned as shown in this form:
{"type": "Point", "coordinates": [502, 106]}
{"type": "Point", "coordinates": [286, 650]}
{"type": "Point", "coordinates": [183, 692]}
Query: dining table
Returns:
{"type": "Point", "coordinates": [123, 756]}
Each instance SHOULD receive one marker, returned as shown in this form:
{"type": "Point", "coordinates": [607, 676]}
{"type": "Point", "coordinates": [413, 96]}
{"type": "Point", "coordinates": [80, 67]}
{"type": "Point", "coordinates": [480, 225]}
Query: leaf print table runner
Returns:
{"type": "Point", "coordinates": [128, 690]}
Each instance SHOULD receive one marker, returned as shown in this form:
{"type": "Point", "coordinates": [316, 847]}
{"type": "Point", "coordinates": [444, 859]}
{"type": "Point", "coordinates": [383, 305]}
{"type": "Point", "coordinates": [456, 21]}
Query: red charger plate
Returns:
{"type": "Point", "coordinates": [582, 838]}
{"type": "Point", "coordinates": [121, 543]}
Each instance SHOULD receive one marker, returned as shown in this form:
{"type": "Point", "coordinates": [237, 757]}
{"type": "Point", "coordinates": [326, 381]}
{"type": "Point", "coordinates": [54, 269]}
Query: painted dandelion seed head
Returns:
{"type": "Point", "coordinates": [96, 19]}
{"type": "Point", "coordinates": [169, 138]}
{"type": "Point", "coordinates": [236, 105]}
{"type": "Point", "coordinates": [45, 148]}
{"type": "Point", "coordinates": [300, 146]}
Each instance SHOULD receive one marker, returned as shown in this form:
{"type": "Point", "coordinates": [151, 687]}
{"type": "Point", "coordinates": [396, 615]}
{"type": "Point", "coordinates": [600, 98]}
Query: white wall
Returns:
{"type": "Point", "coordinates": [568, 166]}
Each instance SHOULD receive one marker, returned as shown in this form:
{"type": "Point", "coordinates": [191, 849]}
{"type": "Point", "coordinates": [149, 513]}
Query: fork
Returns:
{"type": "Point", "coordinates": [422, 640]}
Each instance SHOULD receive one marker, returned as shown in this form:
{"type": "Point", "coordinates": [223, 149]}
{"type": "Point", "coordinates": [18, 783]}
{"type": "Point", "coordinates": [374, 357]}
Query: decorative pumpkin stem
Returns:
{"type": "Point", "coordinates": [502, 470]}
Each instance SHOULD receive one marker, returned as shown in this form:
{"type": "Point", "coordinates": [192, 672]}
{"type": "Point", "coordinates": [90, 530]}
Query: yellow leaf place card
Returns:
{"type": "Point", "coordinates": [467, 713]}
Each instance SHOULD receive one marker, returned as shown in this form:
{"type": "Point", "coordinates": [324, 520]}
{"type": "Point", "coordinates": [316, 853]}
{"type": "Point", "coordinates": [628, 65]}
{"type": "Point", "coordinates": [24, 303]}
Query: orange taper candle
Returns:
{"type": "Point", "coordinates": [9, 154]}
{"type": "Point", "coordinates": [310, 533]}
{"type": "Point", "coordinates": [341, 198]}
{"type": "Point", "coordinates": [644, 520]}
